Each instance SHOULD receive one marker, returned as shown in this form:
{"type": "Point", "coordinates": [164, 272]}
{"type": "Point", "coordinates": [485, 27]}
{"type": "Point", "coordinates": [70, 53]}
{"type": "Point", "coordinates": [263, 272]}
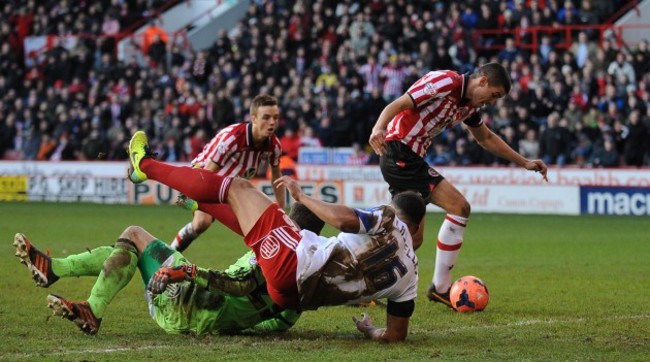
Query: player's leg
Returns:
{"type": "Point", "coordinates": [117, 270]}
{"type": "Point", "coordinates": [404, 170]}
{"type": "Point", "coordinates": [220, 212]}
{"type": "Point", "coordinates": [47, 270]}
{"type": "Point", "coordinates": [187, 234]}
{"type": "Point", "coordinates": [198, 184]}
{"type": "Point", "coordinates": [450, 237]}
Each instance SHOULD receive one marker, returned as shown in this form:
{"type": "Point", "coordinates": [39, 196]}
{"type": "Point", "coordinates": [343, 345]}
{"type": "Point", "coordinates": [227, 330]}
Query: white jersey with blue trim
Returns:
{"type": "Point", "coordinates": [378, 262]}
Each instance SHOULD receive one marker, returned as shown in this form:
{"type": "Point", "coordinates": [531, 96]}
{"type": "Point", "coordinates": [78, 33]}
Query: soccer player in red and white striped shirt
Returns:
{"type": "Point", "coordinates": [238, 150]}
{"type": "Point", "coordinates": [404, 130]}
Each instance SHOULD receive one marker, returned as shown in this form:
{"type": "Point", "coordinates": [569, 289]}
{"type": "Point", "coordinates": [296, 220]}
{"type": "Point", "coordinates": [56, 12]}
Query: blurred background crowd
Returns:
{"type": "Point", "coordinates": [333, 65]}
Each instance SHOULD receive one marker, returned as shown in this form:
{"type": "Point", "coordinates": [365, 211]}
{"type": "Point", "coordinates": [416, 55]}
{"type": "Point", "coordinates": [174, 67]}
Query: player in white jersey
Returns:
{"type": "Point", "coordinates": [237, 150]}
{"type": "Point", "coordinates": [302, 270]}
{"type": "Point", "coordinates": [378, 262]}
{"type": "Point", "coordinates": [404, 131]}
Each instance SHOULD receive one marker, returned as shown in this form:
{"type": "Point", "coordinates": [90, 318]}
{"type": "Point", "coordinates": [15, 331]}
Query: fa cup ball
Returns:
{"type": "Point", "coordinates": [469, 294]}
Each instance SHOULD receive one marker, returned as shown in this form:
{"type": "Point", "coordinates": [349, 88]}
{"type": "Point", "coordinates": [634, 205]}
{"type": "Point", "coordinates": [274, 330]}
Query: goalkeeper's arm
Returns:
{"type": "Point", "coordinates": [280, 322]}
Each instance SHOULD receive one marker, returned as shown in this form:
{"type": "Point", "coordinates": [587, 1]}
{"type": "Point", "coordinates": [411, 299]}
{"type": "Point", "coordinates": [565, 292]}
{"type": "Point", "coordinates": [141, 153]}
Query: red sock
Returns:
{"type": "Point", "coordinates": [223, 213]}
{"type": "Point", "coordinates": [198, 184]}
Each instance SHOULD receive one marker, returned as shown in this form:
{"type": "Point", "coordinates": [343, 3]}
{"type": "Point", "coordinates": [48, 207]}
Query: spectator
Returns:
{"type": "Point", "coordinates": [621, 68]}
{"type": "Point", "coordinates": [94, 147]}
{"type": "Point", "coordinates": [290, 143]}
{"type": "Point", "coordinates": [636, 138]}
{"type": "Point", "coordinates": [48, 145]}
{"type": "Point", "coordinates": [555, 142]}
{"type": "Point", "coordinates": [153, 32]}
{"type": "Point", "coordinates": [459, 156]}
{"type": "Point", "coordinates": [309, 138]}
{"type": "Point", "coordinates": [393, 75]}
{"type": "Point", "coordinates": [583, 49]}
{"type": "Point", "coordinates": [529, 145]}
{"type": "Point", "coordinates": [65, 149]}
{"type": "Point", "coordinates": [359, 157]}
{"type": "Point", "coordinates": [605, 155]}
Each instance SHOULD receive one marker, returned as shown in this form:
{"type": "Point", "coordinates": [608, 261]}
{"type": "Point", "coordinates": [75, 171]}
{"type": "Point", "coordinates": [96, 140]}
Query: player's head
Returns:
{"type": "Point", "coordinates": [490, 82]}
{"type": "Point", "coordinates": [265, 115]}
{"type": "Point", "coordinates": [305, 218]}
{"type": "Point", "coordinates": [410, 208]}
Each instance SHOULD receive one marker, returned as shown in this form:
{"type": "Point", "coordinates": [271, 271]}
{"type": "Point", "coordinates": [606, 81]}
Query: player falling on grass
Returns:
{"type": "Point", "coordinates": [212, 302]}
{"type": "Point", "coordinates": [237, 150]}
{"type": "Point", "coordinates": [404, 131]}
{"type": "Point", "coordinates": [373, 258]}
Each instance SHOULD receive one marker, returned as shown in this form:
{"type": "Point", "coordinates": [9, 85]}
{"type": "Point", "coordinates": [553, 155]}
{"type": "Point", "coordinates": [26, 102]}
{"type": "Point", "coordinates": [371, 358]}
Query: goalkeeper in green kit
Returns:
{"type": "Point", "coordinates": [213, 302]}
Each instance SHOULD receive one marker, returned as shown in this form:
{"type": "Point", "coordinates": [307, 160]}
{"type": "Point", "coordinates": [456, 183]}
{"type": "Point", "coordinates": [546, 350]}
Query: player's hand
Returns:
{"type": "Point", "coordinates": [364, 325]}
{"type": "Point", "coordinates": [291, 185]}
{"type": "Point", "coordinates": [378, 141]}
{"type": "Point", "coordinates": [538, 166]}
{"type": "Point", "coordinates": [169, 275]}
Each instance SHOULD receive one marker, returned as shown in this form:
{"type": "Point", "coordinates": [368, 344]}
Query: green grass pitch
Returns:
{"type": "Point", "coordinates": [562, 288]}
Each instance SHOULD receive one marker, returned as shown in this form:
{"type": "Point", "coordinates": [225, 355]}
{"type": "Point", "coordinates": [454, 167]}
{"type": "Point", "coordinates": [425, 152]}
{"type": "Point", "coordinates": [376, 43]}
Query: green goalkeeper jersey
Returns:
{"type": "Point", "coordinates": [189, 307]}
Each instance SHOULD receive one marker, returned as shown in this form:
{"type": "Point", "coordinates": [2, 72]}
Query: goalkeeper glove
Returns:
{"type": "Point", "coordinates": [169, 275]}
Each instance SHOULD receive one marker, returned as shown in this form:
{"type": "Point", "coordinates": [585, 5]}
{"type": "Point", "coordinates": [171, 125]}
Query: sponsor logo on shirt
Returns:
{"type": "Point", "coordinates": [430, 89]}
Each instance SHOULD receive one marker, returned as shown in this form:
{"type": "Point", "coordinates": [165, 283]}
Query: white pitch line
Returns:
{"type": "Point", "coordinates": [521, 323]}
{"type": "Point", "coordinates": [532, 322]}
{"type": "Point", "coordinates": [84, 351]}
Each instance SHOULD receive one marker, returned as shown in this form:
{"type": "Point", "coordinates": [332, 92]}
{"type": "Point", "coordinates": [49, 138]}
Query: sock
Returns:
{"type": "Point", "coordinates": [184, 237]}
{"type": "Point", "coordinates": [222, 213]}
{"type": "Point", "coordinates": [83, 264]}
{"type": "Point", "coordinates": [198, 184]}
{"type": "Point", "coordinates": [450, 239]}
{"type": "Point", "coordinates": [118, 269]}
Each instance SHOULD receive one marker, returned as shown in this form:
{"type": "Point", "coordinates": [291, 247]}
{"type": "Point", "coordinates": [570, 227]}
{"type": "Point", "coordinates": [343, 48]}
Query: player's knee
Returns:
{"type": "Point", "coordinates": [462, 208]}
{"type": "Point", "coordinates": [132, 232]}
{"type": "Point", "coordinates": [465, 208]}
{"type": "Point", "coordinates": [202, 224]}
{"type": "Point", "coordinates": [138, 236]}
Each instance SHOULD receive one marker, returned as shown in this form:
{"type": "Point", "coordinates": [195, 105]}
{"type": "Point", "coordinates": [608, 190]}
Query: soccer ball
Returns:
{"type": "Point", "coordinates": [469, 294]}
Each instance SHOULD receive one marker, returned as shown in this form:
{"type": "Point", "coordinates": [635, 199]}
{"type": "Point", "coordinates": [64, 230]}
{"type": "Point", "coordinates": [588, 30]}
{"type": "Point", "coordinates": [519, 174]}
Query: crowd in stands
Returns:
{"type": "Point", "coordinates": [333, 65]}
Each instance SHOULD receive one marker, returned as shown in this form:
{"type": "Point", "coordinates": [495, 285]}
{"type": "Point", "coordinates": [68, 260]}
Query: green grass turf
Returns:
{"type": "Point", "coordinates": [562, 289]}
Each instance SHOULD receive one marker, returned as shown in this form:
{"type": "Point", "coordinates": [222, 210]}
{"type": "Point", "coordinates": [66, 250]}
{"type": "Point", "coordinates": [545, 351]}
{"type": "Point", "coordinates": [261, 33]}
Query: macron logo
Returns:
{"type": "Point", "coordinates": [620, 203]}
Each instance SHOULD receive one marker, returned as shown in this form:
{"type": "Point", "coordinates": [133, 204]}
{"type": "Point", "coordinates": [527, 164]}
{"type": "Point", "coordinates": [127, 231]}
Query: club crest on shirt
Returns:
{"type": "Point", "coordinates": [430, 89]}
{"type": "Point", "coordinates": [270, 247]}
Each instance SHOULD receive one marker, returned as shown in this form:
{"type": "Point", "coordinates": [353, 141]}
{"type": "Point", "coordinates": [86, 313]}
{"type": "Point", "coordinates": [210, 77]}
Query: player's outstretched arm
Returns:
{"type": "Point", "coordinates": [377, 137]}
{"type": "Point", "coordinates": [339, 216]}
{"type": "Point", "coordinates": [396, 328]}
{"type": "Point", "coordinates": [493, 143]}
{"type": "Point", "coordinates": [277, 190]}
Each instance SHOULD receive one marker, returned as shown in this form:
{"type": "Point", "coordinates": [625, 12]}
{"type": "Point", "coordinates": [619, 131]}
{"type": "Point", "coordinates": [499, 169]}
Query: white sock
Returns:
{"type": "Point", "coordinates": [185, 235]}
{"type": "Point", "coordinates": [450, 239]}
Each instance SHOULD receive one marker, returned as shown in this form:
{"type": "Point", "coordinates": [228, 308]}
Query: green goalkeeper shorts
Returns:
{"type": "Point", "coordinates": [167, 309]}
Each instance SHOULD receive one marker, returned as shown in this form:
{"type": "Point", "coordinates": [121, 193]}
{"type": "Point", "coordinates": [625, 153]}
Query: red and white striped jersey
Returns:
{"type": "Point", "coordinates": [233, 150]}
{"type": "Point", "coordinates": [438, 98]}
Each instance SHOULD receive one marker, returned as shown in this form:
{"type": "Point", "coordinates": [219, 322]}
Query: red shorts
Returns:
{"type": "Point", "coordinates": [274, 239]}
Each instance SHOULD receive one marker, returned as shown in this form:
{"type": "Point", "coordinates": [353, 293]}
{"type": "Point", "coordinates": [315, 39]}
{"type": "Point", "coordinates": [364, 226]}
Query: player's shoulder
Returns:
{"type": "Point", "coordinates": [233, 129]}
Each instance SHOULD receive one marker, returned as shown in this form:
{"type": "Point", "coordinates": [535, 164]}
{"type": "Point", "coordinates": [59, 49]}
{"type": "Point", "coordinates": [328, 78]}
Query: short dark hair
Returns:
{"type": "Point", "coordinates": [262, 100]}
{"type": "Point", "coordinates": [496, 74]}
{"type": "Point", "coordinates": [410, 204]}
{"type": "Point", "coordinates": [305, 218]}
